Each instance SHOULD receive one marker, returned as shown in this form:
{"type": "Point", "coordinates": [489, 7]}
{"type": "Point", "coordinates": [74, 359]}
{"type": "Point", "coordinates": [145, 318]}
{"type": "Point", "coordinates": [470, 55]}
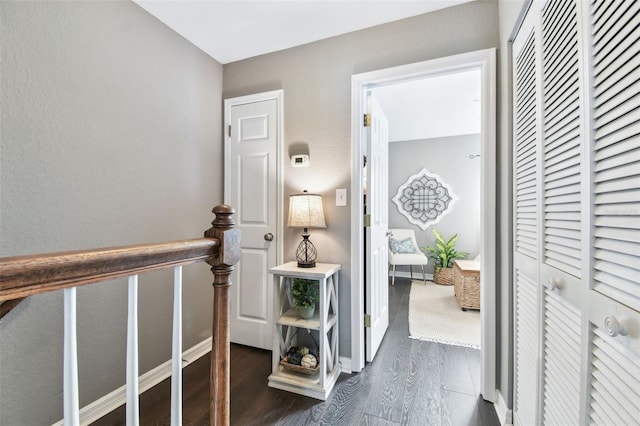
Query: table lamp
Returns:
{"type": "Point", "coordinates": [305, 211]}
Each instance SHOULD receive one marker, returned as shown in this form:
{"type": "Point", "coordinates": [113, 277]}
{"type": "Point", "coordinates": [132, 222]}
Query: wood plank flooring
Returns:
{"type": "Point", "coordinates": [410, 382]}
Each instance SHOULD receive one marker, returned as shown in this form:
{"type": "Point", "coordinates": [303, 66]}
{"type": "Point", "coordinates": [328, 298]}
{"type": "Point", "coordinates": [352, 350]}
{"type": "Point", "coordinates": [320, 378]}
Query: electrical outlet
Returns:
{"type": "Point", "coordinates": [341, 197]}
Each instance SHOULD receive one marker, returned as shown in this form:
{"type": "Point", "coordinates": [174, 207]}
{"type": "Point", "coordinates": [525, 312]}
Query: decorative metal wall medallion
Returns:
{"type": "Point", "coordinates": [424, 199]}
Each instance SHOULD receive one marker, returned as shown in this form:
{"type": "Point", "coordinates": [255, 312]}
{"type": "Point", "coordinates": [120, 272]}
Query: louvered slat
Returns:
{"type": "Point", "coordinates": [526, 347]}
{"type": "Point", "coordinates": [615, 385]}
{"type": "Point", "coordinates": [526, 216]}
{"type": "Point", "coordinates": [561, 361]}
{"type": "Point", "coordinates": [616, 55]}
{"type": "Point", "coordinates": [561, 117]}
{"type": "Point", "coordinates": [615, 372]}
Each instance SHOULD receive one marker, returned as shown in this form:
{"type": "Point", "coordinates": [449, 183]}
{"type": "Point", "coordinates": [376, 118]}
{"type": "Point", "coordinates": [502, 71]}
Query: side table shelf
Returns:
{"type": "Point", "coordinates": [288, 322]}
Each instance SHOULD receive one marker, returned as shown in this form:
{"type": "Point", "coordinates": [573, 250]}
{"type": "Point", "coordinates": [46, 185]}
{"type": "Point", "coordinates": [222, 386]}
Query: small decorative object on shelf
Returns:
{"type": "Point", "coordinates": [301, 359]}
{"type": "Point", "coordinates": [305, 295]}
{"type": "Point", "coordinates": [443, 254]}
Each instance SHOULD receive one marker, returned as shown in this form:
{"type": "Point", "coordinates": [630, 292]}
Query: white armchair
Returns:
{"type": "Point", "coordinates": [404, 250]}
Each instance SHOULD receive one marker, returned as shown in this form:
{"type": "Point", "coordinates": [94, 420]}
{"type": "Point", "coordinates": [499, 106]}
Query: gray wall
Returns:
{"type": "Point", "coordinates": [449, 159]}
{"type": "Point", "coordinates": [316, 79]}
{"type": "Point", "coordinates": [111, 134]}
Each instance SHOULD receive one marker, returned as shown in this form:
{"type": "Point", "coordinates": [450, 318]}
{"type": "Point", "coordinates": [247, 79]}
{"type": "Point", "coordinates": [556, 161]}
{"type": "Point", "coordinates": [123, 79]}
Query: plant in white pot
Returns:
{"type": "Point", "coordinates": [443, 254]}
{"type": "Point", "coordinates": [305, 294]}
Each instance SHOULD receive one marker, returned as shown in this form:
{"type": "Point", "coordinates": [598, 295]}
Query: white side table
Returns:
{"type": "Point", "coordinates": [288, 322]}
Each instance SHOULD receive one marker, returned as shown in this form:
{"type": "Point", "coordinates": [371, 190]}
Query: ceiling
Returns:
{"type": "Point", "coordinates": [434, 107]}
{"type": "Point", "coordinates": [231, 30]}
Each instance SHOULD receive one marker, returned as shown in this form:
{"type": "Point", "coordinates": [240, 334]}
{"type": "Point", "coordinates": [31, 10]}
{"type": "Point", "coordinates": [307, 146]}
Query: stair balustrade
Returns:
{"type": "Point", "coordinates": [25, 276]}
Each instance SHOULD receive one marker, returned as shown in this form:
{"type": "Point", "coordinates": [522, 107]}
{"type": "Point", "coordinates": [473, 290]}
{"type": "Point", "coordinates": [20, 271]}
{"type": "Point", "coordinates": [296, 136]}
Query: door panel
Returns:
{"type": "Point", "coordinates": [561, 352]}
{"type": "Point", "coordinates": [377, 278]}
{"type": "Point", "coordinates": [588, 237]}
{"type": "Point", "coordinates": [613, 312]}
{"type": "Point", "coordinates": [251, 188]}
{"type": "Point", "coordinates": [614, 352]}
{"type": "Point", "coordinates": [526, 134]}
{"type": "Point", "coordinates": [617, 153]}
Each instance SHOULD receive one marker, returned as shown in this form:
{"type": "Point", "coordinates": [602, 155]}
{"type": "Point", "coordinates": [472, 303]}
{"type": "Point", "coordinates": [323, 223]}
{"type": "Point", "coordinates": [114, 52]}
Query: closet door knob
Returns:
{"type": "Point", "coordinates": [268, 236]}
{"type": "Point", "coordinates": [613, 327]}
{"type": "Point", "coordinates": [553, 284]}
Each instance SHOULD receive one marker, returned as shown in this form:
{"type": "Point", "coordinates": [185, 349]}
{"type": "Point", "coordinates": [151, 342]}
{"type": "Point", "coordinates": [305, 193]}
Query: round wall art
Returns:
{"type": "Point", "coordinates": [424, 199]}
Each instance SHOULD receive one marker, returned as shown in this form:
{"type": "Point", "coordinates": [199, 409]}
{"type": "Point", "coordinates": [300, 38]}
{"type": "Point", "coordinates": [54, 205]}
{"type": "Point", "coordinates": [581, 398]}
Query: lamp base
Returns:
{"type": "Point", "coordinates": [306, 253]}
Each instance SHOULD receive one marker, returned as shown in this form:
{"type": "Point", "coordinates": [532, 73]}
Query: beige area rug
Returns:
{"type": "Point", "coordinates": [434, 315]}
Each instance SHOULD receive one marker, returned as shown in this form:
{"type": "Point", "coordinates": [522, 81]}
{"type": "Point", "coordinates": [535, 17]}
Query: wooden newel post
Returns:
{"type": "Point", "coordinates": [222, 264]}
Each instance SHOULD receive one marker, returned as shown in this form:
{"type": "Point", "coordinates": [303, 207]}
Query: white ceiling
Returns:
{"type": "Point", "coordinates": [231, 30]}
{"type": "Point", "coordinates": [446, 105]}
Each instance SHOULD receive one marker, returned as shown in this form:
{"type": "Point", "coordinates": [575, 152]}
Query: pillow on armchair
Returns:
{"type": "Point", "coordinates": [404, 246]}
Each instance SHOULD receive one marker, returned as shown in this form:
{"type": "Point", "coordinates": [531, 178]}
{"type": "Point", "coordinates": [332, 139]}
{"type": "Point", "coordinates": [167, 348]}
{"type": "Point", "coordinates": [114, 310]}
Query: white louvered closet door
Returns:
{"type": "Point", "coordinates": [613, 324]}
{"type": "Point", "coordinates": [526, 136]}
{"type": "Point", "coordinates": [577, 250]}
{"type": "Point", "coordinates": [563, 215]}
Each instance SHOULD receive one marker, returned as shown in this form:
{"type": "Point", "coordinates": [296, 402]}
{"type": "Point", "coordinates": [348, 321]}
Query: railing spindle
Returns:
{"type": "Point", "coordinates": [70, 373]}
{"type": "Point", "coordinates": [133, 410]}
{"type": "Point", "coordinates": [176, 356]}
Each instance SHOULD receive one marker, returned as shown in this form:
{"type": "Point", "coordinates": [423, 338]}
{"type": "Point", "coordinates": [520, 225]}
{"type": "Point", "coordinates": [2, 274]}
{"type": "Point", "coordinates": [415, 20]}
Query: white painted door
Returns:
{"type": "Point", "coordinates": [377, 268]}
{"type": "Point", "coordinates": [252, 138]}
{"type": "Point", "coordinates": [577, 247]}
{"type": "Point", "coordinates": [526, 137]}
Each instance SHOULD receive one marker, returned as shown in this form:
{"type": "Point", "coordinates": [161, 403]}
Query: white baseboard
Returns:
{"type": "Point", "coordinates": [116, 398]}
{"type": "Point", "coordinates": [345, 364]}
{"type": "Point", "coordinates": [416, 275]}
{"type": "Point", "coordinates": [504, 414]}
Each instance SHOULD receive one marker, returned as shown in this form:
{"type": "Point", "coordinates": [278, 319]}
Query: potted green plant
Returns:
{"type": "Point", "coordinates": [305, 294]}
{"type": "Point", "coordinates": [443, 254]}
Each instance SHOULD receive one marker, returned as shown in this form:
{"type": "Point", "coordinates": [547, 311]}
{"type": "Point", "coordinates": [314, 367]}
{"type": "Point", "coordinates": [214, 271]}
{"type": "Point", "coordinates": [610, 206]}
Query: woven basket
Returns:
{"type": "Point", "coordinates": [298, 368]}
{"type": "Point", "coordinates": [444, 276]}
{"type": "Point", "coordinates": [467, 287]}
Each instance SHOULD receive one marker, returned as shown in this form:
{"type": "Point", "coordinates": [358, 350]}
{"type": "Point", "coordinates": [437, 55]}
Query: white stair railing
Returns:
{"type": "Point", "coordinates": [133, 406]}
{"type": "Point", "coordinates": [176, 355]}
{"type": "Point", "coordinates": [24, 276]}
{"type": "Point", "coordinates": [70, 368]}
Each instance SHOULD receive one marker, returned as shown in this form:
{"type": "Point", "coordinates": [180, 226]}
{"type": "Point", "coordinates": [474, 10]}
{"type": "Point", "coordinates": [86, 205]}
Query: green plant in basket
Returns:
{"type": "Point", "coordinates": [444, 252]}
{"type": "Point", "coordinates": [305, 294]}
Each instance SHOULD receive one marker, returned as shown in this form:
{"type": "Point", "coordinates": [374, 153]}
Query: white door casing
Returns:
{"type": "Point", "coordinates": [253, 141]}
{"type": "Point", "coordinates": [485, 60]}
{"type": "Point", "coordinates": [377, 274]}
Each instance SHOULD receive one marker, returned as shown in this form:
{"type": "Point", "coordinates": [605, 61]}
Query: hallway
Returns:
{"type": "Point", "coordinates": [411, 382]}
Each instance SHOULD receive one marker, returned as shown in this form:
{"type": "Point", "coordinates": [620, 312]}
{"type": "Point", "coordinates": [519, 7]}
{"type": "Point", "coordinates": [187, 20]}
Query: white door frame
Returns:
{"type": "Point", "coordinates": [278, 95]}
{"type": "Point", "coordinates": [485, 60]}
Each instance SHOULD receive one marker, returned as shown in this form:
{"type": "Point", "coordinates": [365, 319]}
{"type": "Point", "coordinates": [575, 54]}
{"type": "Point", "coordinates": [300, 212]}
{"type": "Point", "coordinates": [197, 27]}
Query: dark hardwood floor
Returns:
{"type": "Point", "coordinates": [410, 382]}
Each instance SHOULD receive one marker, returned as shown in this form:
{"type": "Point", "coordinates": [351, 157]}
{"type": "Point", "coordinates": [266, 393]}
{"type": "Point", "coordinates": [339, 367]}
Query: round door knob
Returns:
{"type": "Point", "coordinates": [268, 236]}
{"type": "Point", "coordinates": [553, 284]}
{"type": "Point", "coordinates": [613, 327]}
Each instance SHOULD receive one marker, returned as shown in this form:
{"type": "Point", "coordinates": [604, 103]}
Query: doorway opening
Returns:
{"type": "Point", "coordinates": [484, 61]}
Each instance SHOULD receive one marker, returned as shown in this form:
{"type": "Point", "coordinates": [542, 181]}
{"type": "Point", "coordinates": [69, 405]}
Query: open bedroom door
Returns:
{"type": "Point", "coordinates": [377, 210]}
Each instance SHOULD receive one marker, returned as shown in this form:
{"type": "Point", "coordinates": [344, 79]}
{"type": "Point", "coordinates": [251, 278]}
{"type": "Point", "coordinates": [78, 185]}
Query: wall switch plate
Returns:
{"type": "Point", "coordinates": [341, 197]}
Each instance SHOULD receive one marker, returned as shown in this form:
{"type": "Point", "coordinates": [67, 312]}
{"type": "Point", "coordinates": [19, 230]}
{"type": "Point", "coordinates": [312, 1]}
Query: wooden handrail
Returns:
{"type": "Point", "coordinates": [23, 276]}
